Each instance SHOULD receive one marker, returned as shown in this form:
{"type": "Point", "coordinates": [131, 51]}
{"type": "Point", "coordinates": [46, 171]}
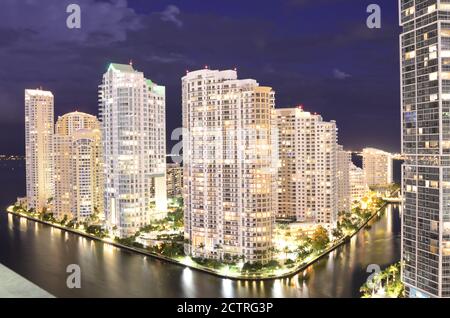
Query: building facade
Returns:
{"type": "Point", "coordinates": [307, 174]}
{"type": "Point", "coordinates": [358, 185]}
{"type": "Point", "coordinates": [132, 111]}
{"type": "Point", "coordinates": [174, 180]}
{"type": "Point", "coordinates": [377, 165]}
{"type": "Point", "coordinates": [229, 166]}
{"type": "Point", "coordinates": [425, 109]}
{"type": "Point", "coordinates": [78, 167]}
{"type": "Point", "coordinates": [39, 128]}
{"type": "Point", "coordinates": [344, 159]}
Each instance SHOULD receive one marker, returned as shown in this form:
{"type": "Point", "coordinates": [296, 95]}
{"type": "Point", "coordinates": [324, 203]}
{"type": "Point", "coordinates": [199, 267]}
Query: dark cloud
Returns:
{"type": "Point", "coordinates": [171, 14]}
{"type": "Point", "coordinates": [292, 51]}
{"type": "Point", "coordinates": [47, 18]}
{"type": "Point", "coordinates": [340, 75]}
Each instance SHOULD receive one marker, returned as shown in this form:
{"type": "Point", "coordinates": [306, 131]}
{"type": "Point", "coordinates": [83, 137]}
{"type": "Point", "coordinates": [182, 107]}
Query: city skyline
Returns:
{"type": "Point", "coordinates": [242, 161]}
{"type": "Point", "coordinates": [217, 143]}
{"type": "Point", "coordinates": [306, 79]}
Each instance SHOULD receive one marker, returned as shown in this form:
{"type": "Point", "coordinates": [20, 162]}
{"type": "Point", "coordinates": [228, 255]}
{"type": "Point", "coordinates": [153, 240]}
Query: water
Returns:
{"type": "Point", "coordinates": [41, 254]}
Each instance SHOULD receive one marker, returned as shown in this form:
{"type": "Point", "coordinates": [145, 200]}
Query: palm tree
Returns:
{"type": "Point", "coordinates": [384, 277]}
{"type": "Point", "coordinates": [365, 290]}
{"type": "Point", "coordinates": [393, 270]}
{"type": "Point", "coordinates": [376, 283]}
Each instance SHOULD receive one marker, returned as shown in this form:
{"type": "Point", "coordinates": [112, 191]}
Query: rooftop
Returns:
{"type": "Point", "coordinates": [121, 67]}
{"type": "Point", "coordinates": [38, 92]}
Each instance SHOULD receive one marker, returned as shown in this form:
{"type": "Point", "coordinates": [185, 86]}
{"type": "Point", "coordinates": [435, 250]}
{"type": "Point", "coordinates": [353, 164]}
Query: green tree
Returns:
{"type": "Point", "coordinates": [64, 220]}
{"type": "Point", "coordinates": [337, 233]}
{"type": "Point", "coordinates": [320, 238]}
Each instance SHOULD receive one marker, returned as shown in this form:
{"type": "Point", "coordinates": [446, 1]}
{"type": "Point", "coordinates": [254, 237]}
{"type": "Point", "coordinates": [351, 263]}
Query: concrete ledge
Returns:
{"type": "Point", "coordinates": [13, 285]}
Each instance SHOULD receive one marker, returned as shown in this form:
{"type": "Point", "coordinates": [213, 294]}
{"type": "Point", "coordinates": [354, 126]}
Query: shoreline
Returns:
{"type": "Point", "coordinates": [252, 277]}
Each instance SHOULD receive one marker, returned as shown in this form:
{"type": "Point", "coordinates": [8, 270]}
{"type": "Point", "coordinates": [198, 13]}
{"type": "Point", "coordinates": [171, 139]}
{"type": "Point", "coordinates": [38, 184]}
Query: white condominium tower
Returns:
{"type": "Point", "coordinates": [358, 185]}
{"type": "Point", "coordinates": [229, 166]}
{"type": "Point", "coordinates": [38, 147]}
{"type": "Point", "coordinates": [344, 160]}
{"type": "Point", "coordinates": [425, 84]}
{"type": "Point", "coordinates": [377, 165]}
{"type": "Point", "coordinates": [133, 129]}
{"type": "Point", "coordinates": [307, 176]}
{"type": "Point", "coordinates": [78, 166]}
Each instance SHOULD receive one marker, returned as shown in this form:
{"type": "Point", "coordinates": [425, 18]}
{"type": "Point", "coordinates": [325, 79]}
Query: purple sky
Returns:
{"type": "Point", "coordinates": [313, 52]}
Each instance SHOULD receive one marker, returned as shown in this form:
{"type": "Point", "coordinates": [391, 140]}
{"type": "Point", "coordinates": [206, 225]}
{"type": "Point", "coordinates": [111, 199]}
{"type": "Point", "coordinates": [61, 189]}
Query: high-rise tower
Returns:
{"type": "Point", "coordinates": [38, 148]}
{"type": "Point", "coordinates": [132, 111]}
{"type": "Point", "coordinates": [378, 165]}
{"type": "Point", "coordinates": [229, 166]}
{"type": "Point", "coordinates": [308, 175]}
{"type": "Point", "coordinates": [78, 166]}
{"type": "Point", "coordinates": [425, 108]}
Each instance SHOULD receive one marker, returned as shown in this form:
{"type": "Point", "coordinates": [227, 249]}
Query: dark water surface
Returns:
{"type": "Point", "coordinates": [41, 254]}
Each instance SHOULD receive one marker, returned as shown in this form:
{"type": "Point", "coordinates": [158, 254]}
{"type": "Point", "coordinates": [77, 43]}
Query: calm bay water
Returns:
{"type": "Point", "coordinates": [41, 254]}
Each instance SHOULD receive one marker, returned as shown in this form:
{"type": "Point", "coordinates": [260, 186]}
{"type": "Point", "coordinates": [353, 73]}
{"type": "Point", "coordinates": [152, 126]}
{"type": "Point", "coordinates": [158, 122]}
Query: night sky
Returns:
{"type": "Point", "coordinates": [318, 53]}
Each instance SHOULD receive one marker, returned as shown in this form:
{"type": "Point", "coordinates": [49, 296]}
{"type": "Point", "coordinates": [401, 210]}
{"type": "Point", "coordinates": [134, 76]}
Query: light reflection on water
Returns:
{"type": "Point", "coordinates": [114, 272]}
{"type": "Point", "coordinates": [42, 254]}
{"type": "Point", "coordinates": [110, 272]}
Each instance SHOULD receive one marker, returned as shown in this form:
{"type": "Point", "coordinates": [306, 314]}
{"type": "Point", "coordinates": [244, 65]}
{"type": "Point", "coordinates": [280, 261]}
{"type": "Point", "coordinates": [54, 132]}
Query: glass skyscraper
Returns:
{"type": "Point", "coordinates": [425, 106]}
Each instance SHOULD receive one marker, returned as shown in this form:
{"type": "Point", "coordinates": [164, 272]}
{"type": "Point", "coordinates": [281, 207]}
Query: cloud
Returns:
{"type": "Point", "coordinates": [170, 58]}
{"type": "Point", "coordinates": [340, 75]}
{"type": "Point", "coordinates": [101, 22]}
{"type": "Point", "coordinates": [305, 3]}
{"type": "Point", "coordinates": [37, 49]}
{"type": "Point", "coordinates": [171, 14]}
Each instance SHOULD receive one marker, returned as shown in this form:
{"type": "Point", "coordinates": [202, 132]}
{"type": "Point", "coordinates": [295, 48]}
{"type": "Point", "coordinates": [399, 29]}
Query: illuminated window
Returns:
{"type": "Point", "coordinates": [433, 76]}
{"type": "Point", "coordinates": [410, 55]}
{"type": "Point", "coordinates": [432, 8]}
